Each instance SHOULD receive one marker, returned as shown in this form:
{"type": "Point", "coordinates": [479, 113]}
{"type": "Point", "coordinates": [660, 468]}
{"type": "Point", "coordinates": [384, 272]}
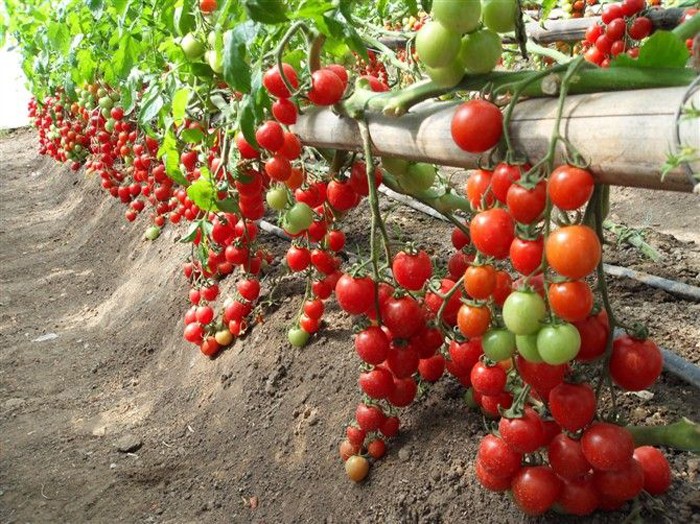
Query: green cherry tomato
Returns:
{"type": "Point", "coordinates": [523, 311]}
{"type": "Point", "coordinates": [481, 51]}
{"type": "Point", "coordinates": [395, 166]}
{"type": "Point", "coordinates": [498, 344]}
{"type": "Point", "coordinates": [297, 337]}
{"type": "Point", "coordinates": [276, 198]}
{"type": "Point", "coordinates": [460, 16]}
{"type": "Point", "coordinates": [527, 347]}
{"type": "Point", "coordinates": [192, 47]}
{"type": "Point", "coordinates": [436, 45]}
{"type": "Point", "coordinates": [558, 343]}
{"type": "Point", "coordinates": [298, 218]}
{"type": "Point", "coordinates": [215, 61]}
{"type": "Point", "coordinates": [499, 15]}
{"type": "Point", "coordinates": [152, 233]}
{"type": "Point", "coordinates": [447, 76]}
{"type": "Point", "coordinates": [419, 177]}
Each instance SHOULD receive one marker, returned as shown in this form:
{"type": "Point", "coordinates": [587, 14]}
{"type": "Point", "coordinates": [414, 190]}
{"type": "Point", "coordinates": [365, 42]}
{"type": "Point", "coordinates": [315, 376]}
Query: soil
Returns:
{"type": "Point", "coordinates": [115, 418]}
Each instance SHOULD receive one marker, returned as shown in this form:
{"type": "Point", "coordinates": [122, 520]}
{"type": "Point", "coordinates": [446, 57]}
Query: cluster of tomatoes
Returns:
{"type": "Point", "coordinates": [60, 129]}
{"type": "Point", "coordinates": [597, 468]}
{"type": "Point", "coordinates": [620, 32]}
{"type": "Point", "coordinates": [577, 8]}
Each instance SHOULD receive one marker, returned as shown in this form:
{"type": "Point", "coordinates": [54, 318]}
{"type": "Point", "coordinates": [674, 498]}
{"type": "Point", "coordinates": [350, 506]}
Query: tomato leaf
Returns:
{"type": "Point", "coordinates": [547, 6]}
{"type": "Point", "coordinates": [202, 194]}
{"type": "Point", "coordinates": [125, 57]}
{"type": "Point", "coordinates": [171, 158]}
{"type": "Point", "coordinates": [266, 11]}
{"type": "Point", "coordinates": [191, 232]}
{"type": "Point", "coordinates": [236, 70]}
{"type": "Point", "coordinates": [179, 105]}
{"type": "Point", "coordinates": [412, 7]}
{"type": "Point", "coordinates": [663, 49]}
{"type": "Point", "coordinates": [192, 136]}
{"type": "Point", "coordinates": [228, 206]}
{"type": "Point", "coordinates": [184, 17]}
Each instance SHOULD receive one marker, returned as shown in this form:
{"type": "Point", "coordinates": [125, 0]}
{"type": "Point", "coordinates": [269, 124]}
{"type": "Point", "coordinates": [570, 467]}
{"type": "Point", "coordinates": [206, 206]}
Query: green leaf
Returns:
{"type": "Point", "coordinates": [663, 49]}
{"type": "Point", "coordinates": [59, 37]}
{"type": "Point", "coordinates": [191, 232]}
{"type": "Point", "coordinates": [171, 158]}
{"type": "Point", "coordinates": [228, 206]}
{"type": "Point", "coordinates": [153, 102]}
{"type": "Point", "coordinates": [126, 56]}
{"type": "Point", "coordinates": [192, 136]}
{"type": "Point", "coordinates": [96, 7]}
{"type": "Point", "coordinates": [266, 11]}
{"type": "Point", "coordinates": [184, 17]}
{"type": "Point", "coordinates": [412, 7]}
{"type": "Point", "coordinates": [179, 105]}
{"type": "Point", "coordinates": [202, 194]}
{"type": "Point", "coordinates": [547, 6]}
{"type": "Point", "coordinates": [236, 69]}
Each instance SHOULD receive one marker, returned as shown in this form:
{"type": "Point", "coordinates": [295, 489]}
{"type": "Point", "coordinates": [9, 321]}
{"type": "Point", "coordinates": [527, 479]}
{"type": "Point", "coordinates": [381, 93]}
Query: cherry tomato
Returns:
{"type": "Point", "coordinates": [566, 458]}
{"type": "Point", "coordinates": [607, 447]}
{"type": "Point", "coordinates": [523, 312]}
{"type": "Point", "coordinates": [657, 472]}
{"type": "Point", "coordinates": [536, 489]}
{"type": "Point", "coordinates": [570, 187]}
{"type": "Point", "coordinates": [357, 468]}
{"type": "Point", "coordinates": [492, 232]}
{"type": "Point", "coordinates": [571, 301]}
{"type": "Point", "coordinates": [477, 126]}
{"type": "Point", "coordinates": [473, 321]}
{"type": "Point", "coordinates": [635, 364]}
{"type": "Point", "coordinates": [573, 251]}
{"type": "Point", "coordinates": [412, 271]}
{"type": "Point", "coordinates": [526, 255]}
{"type": "Point", "coordinates": [572, 405]}
{"type": "Point", "coordinates": [523, 435]}
{"type": "Point", "coordinates": [526, 205]}
{"type": "Point", "coordinates": [497, 458]}
{"type": "Point", "coordinates": [480, 281]}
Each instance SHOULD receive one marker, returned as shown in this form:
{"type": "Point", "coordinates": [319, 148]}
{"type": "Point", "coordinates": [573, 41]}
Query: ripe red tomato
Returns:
{"type": "Point", "coordinates": [524, 434]}
{"type": "Point", "coordinates": [640, 28]}
{"type": "Point", "coordinates": [326, 88]}
{"type": "Point", "coordinates": [369, 418]}
{"type": "Point", "coordinates": [278, 168]}
{"type": "Point", "coordinates": [341, 195]}
{"type": "Point", "coordinates": [570, 187]}
{"type": "Point", "coordinates": [572, 405]}
{"type": "Point", "coordinates": [377, 383]}
{"type": "Point", "coordinates": [291, 149]}
{"type": "Point", "coordinates": [542, 377]}
{"type": "Point", "coordinates": [573, 251]}
{"type": "Point", "coordinates": [492, 232]}
{"type": "Point", "coordinates": [459, 238]}
{"type": "Point", "coordinates": [431, 369]}
{"type": "Point", "coordinates": [404, 392]}
{"type": "Point", "coordinates": [607, 447]}
{"type": "Point", "coordinates": [489, 480]}
{"type": "Point", "coordinates": [657, 472]}
{"type": "Point", "coordinates": [412, 271]}
{"type": "Point", "coordinates": [372, 345]}
{"type": "Point", "coordinates": [298, 258]}
{"type": "Point", "coordinates": [579, 497]}
{"type": "Point", "coordinates": [473, 321]}
{"type": "Point", "coordinates": [358, 178]}
{"type": "Point", "coordinates": [402, 360]}
{"type": "Point", "coordinates": [571, 301]}
{"type": "Point", "coordinates": [566, 458]}
{"type": "Point", "coordinates": [376, 448]}
{"type": "Point", "coordinates": [207, 6]}
{"type": "Point", "coordinates": [477, 126]}
{"type": "Point", "coordinates": [504, 175]}
{"type": "Point", "coordinates": [526, 205]}
{"type": "Point", "coordinates": [635, 364]}
{"type": "Point", "coordinates": [403, 316]}
{"type": "Point", "coordinates": [623, 484]}
{"type": "Point", "coordinates": [594, 336]}
{"type": "Point", "coordinates": [497, 458]}
{"type": "Point", "coordinates": [478, 189]}
{"type": "Point", "coordinates": [354, 295]}
{"type": "Point", "coordinates": [285, 111]}
{"type": "Point", "coordinates": [536, 489]}
{"type": "Point", "coordinates": [270, 135]}
{"type": "Point", "coordinates": [611, 12]}
{"type": "Point", "coordinates": [272, 80]}
{"type": "Point", "coordinates": [488, 381]}
{"type": "Point", "coordinates": [526, 255]}
{"type": "Point", "coordinates": [390, 427]}
{"type": "Point", "coordinates": [480, 281]}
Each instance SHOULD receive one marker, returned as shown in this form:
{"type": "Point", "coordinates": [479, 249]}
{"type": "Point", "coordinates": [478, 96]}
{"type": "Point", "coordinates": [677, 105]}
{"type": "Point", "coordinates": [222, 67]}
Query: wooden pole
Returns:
{"type": "Point", "coordinates": [626, 135]}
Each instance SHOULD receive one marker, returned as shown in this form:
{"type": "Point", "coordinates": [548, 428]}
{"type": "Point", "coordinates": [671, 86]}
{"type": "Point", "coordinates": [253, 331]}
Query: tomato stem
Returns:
{"type": "Point", "coordinates": [683, 435]}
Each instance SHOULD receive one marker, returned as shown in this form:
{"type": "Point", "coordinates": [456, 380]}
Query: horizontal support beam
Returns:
{"type": "Point", "coordinates": [626, 135]}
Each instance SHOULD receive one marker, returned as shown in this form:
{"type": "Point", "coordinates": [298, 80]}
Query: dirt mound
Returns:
{"type": "Point", "coordinates": [116, 418]}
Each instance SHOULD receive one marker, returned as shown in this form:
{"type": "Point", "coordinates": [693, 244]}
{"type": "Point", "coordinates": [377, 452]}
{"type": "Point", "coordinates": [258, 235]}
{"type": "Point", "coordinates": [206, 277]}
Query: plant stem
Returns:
{"type": "Point", "coordinates": [684, 435]}
{"type": "Point", "coordinates": [689, 28]}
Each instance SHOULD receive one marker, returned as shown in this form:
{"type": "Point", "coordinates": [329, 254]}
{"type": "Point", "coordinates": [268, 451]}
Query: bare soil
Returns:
{"type": "Point", "coordinates": [251, 436]}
